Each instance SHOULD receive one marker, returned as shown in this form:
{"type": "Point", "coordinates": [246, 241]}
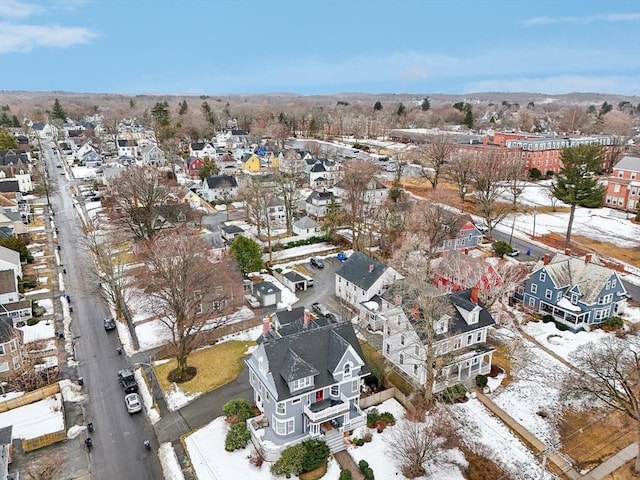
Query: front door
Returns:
{"type": "Point", "coordinates": [319, 395]}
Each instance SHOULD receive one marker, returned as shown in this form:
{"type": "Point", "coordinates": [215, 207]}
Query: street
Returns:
{"type": "Point", "coordinates": [118, 450]}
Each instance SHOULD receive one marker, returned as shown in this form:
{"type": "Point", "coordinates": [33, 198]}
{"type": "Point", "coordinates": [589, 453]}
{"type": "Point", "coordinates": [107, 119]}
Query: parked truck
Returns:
{"type": "Point", "coordinates": [128, 380]}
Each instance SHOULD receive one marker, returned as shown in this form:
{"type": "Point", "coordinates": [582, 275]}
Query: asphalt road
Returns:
{"type": "Point", "coordinates": [118, 450]}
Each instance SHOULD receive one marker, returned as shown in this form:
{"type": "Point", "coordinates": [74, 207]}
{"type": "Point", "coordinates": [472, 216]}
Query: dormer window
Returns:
{"type": "Point", "coordinates": [346, 372]}
{"type": "Point", "coordinates": [474, 316]}
{"type": "Point", "coordinates": [574, 298]}
{"type": "Point", "coordinates": [301, 383]}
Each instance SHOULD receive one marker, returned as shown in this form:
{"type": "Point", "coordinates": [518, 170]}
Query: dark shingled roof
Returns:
{"type": "Point", "coordinates": [6, 330]}
{"type": "Point", "coordinates": [219, 181]}
{"type": "Point", "coordinates": [294, 276]}
{"type": "Point", "coordinates": [5, 435]}
{"type": "Point", "coordinates": [314, 350]}
{"type": "Point", "coordinates": [356, 270]}
{"type": "Point", "coordinates": [316, 195]}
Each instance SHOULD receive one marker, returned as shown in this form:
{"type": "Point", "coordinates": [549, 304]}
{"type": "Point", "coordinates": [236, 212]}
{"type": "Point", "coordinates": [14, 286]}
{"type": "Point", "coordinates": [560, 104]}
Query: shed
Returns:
{"type": "Point", "coordinates": [294, 281]}
{"type": "Point", "coordinates": [267, 293]}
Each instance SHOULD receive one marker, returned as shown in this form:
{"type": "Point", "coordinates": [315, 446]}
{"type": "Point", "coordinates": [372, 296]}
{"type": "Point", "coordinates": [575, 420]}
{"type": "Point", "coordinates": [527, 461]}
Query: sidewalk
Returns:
{"type": "Point", "coordinates": [612, 464]}
{"type": "Point", "coordinates": [347, 463]}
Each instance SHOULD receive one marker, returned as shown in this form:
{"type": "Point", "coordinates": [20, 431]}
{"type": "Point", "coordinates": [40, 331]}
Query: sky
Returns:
{"type": "Point", "coordinates": [320, 46]}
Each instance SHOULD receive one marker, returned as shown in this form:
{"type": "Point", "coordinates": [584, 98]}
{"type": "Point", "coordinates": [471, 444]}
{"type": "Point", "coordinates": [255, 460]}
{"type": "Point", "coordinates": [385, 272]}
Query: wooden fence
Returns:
{"type": "Point", "coordinates": [379, 397]}
{"type": "Point", "coordinates": [30, 444]}
{"type": "Point", "coordinates": [30, 397]}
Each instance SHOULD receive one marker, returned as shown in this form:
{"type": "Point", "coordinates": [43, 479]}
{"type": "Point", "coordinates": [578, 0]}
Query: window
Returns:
{"type": "Point", "coordinates": [4, 367]}
{"type": "Point", "coordinates": [281, 408]}
{"type": "Point", "coordinates": [335, 390]}
{"type": "Point", "coordinates": [387, 349]}
{"type": "Point", "coordinates": [574, 298]}
{"type": "Point", "coordinates": [608, 286]}
{"type": "Point", "coordinates": [2, 352]}
{"type": "Point", "coordinates": [458, 343]}
{"type": "Point", "coordinates": [469, 339]}
{"type": "Point", "coordinates": [613, 283]}
{"type": "Point", "coordinates": [401, 339]}
{"type": "Point", "coordinates": [543, 276]}
{"type": "Point", "coordinates": [283, 427]}
{"type": "Point", "coordinates": [417, 351]}
{"type": "Point", "coordinates": [479, 337]}
{"type": "Point", "coordinates": [346, 372]}
{"type": "Point", "coordinates": [559, 296]}
{"type": "Point", "coordinates": [301, 383]}
{"type": "Point", "coordinates": [534, 288]}
{"type": "Point", "coordinates": [415, 370]}
{"type": "Point", "coordinates": [16, 362]}
{"type": "Point", "coordinates": [355, 385]}
{"type": "Point", "coordinates": [548, 294]}
{"type": "Point", "coordinates": [532, 302]}
{"type": "Point", "coordinates": [401, 359]}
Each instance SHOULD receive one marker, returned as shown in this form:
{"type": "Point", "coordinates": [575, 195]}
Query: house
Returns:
{"type": "Point", "coordinates": [192, 166]}
{"type": "Point", "coordinates": [11, 349]}
{"type": "Point", "coordinates": [91, 159]}
{"type": "Point", "coordinates": [361, 277]}
{"type": "Point", "coordinates": [323, 174]}
{"type": "Point", "coordinates": [267, 293]}
{"type": "Point", "coordinates": [8, 287]}
{"type": "Point", "coordinates": [6, 451]}
{"type": "Point", "coordinates": [468, 237]}
{"type": "Point", "coordinates": [317, 203]}
{"type": "Point", "coordinates": [375, 195]}
{"type": "Point", "coordinates": [229, 232]}
{"type": "Point", "coordinates": [127, 147]}
{"type": "Point", "coordinates": [250, 162]}
{"type": "Point", "coordinates": [623, 185]}
{"type": "Point", "coordinates": [227, 164]}
{"type": "Point", "coordinates": [459, 341]}
{"type": "Point", "coordinates": [10, 260]}
{"type": "Point", "coordinates": [19, 172]}
{"type": "Point", "coordinates": [12, 157]}
{"type": "Point", "coordinates": [45, 131]}
{"type": "Point", "coordinates": [203, 150]}
{"type": "Point", "coordinates": [456, 271]}
{"type": "Point", "coordinates": [12, 305]}
{"type": "Point", "coordinates": [276, 210]}
{"type": "Point", "coordinates": [575, 291]}
{"type": "Point", "coordinates": [219, 188]}
{"type": "Point", "coordinates": [305, 227]}
{"type": "Point", "coordinates": [152, 155]}
{"type": "Point", "coordinates": [306, 375]}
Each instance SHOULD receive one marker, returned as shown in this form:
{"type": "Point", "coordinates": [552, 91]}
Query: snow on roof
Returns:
{"type": "Point", "coordinates": [566, 304]}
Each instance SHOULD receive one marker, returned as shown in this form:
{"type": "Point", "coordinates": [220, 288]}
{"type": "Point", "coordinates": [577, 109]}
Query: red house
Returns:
{"type": "Point", "coordinates": [456, 271]}
{"type": "Point", "coordinates": [192, 166]}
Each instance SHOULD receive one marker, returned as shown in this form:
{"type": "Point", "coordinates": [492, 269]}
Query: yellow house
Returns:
{"type": "Point", "coordinates": [250, 163]}
{"type": "Point", "coordinates": [274, 161]}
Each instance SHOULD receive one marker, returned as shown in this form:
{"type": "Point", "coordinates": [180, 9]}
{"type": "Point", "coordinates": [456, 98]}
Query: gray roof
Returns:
{"type": "Point", "coordinates": [629, 163]}
{"type": "Point", "coordinates": [294, 276]}
{"type": "Point", "coordinates": [232, 229]}
{"type": "Point", "coordinates": [356, 270]}
{"type": "Point", "coordinates": [311, 350]}
{"type": "Point", "coordinates": [316, 195]}
{"type": "Point", "coordinates": [265, 288]}
{"type": "Point", "coordinates": [5, 435]}
{"type": "Point", "coordinates": [305, 222]}
{"type": "Point", "coordinates": [220, 181]}
{"type": "Point", "coordinates": [568, 271]}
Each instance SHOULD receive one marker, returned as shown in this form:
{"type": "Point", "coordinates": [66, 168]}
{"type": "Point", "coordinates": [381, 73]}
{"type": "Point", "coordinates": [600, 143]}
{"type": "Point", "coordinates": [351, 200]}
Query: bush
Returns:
{"type": "Point", "coordinates": [32, 321]}
{"type": "Point", "coordinates": [549, 174]}
{"type": "Point", "coordinates": [454, 394]}
{"type": "Point", "coordinates": [345, 475]}
{"type": "Point", "coordinates": [368, 473]}
{"type": "Point", "coordinates": [481, 381]}
{"type": "Point", "coordinates": [20, 324]}
{"type": "Point", "coordinates": [535, 174]}
{"type": "Point", "coordinates": [372, 417]}
{"type": "Point", "coordinates": [548, 318]}
{"type": "Point", "coordinates": [388, 418]}
{"type": "Point", "coordinates": [362, 464]}
{"type": "Point", "coordinates": [501, 248]}
{"type": "Point", "coordinates": [612, 323]}
{"type": "Point", "coordinates": [367, 437]}
{"type": "Point", "coordinates": [238, 408]}
{"type": "Point", "coordinates": [316, 453]}
{"type": "Point", "coordinates": [290, 461]}
{"type": "Point", "coordinates": [238, 436]}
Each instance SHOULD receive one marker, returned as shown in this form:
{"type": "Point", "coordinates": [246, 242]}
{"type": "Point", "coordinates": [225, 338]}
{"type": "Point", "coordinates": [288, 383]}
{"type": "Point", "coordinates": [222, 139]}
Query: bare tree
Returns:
{"type": "Point", "coordinates": [259, 197]}
{"type": "Point", "coordinates": [187, 291]}
{"type": "Point", "coordinates": [111, 249]}
{"type": "Point", "coordinates": [357, 182]}
{"type": "Point", "coordinates": [434, 158]}
{"type": "Point", "coordinates": [288, 186]}
{"type": "Point", "coordinates": [414, 446]}
{"type": "Point", "coordinates": [135, 195]}
{"type": "Point", "coordinates": [509, 276]}
{"type": "Point", "coordinates": [490, 175]}
{"type": "Point", "coordinates": [460, 171]}
{"type": "Point", "coordinates": [609, 374]}
{"type": "Point", "coordinates": [573, 119]}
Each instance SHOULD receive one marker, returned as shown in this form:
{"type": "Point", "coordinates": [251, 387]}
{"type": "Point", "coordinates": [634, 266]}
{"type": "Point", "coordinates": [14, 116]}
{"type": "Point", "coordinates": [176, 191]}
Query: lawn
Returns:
{"type": "Point", "coordinates": [217, 366]}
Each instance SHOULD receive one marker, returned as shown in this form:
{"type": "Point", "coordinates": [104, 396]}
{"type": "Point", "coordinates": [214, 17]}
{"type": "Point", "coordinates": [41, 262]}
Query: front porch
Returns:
{"type": "Point", "coordinates": [466, 367]}
{"type": "Point", "coordinates": [571, 319]}
{"type": "Point", "coordinates": [265, 438]}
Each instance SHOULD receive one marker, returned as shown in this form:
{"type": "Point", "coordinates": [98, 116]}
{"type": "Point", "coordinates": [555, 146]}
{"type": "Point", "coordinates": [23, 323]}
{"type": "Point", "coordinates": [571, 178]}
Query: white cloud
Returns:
{"type": "Point", "coordinates": [608, 17]}
{"type": "Point", "coordinates": [24, 38]}
{"type": "Point", "coordinates": [18, 9]}
{"type": "Point", "coordinates": [622, 85]}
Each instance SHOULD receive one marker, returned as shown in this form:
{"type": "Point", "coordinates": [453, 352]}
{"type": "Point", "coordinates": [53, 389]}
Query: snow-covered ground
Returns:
{"type": "Point", "coordinates": [35, 419]}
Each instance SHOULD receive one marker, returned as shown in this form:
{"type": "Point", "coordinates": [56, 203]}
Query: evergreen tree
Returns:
{"type": "Point", "coordinates": [377, 106]}
{"type": "Point", "coordinates": [247, 253]}
{"type": "Point", "coordinates": [208, 169]}
{"type": "Point", "coordinates": [7, 141]}
{"type": "Point", "coordinates": [183, 108]}
{"type": "Point", "coordinates": [468, 117]}
{"type": "Point", "coordinates": [401, 110]}
{"type": "Point", "coordinates": [575, 184]}
{"type": "Point", "coordinates": [58, 111]}
{"type": "Point", "coordinates": [426, 104]}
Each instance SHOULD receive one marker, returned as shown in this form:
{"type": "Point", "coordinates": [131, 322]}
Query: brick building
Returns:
{"type": "Point", "coordinates": [623, 188]}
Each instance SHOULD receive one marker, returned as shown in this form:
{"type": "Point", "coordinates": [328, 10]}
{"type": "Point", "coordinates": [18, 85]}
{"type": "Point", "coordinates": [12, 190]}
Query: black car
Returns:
{"type": "Point", "coordinates": [316, 262]}
{"type": "Point", "coordinates": [109, 323]}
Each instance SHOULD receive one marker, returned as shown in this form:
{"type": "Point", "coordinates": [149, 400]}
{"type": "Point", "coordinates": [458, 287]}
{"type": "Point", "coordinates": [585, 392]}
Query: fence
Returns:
{"type": "Point", "coordinates": [30, 397]}
{"type": "Point", "coordinates": [379, 397]}
{"type": "Point", "coordinates": [30, 444]}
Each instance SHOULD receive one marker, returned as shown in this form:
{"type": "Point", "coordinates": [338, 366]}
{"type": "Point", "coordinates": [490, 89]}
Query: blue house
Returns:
{"type": "Point", "coordinates": [305, 375]}
{"type": "Point", "coordinates": [576, 291]}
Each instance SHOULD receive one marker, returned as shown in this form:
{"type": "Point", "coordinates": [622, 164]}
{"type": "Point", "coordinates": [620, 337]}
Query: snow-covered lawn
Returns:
{"type": "Point", "coordinates": [42, 330]}
{"type": "Point", "coordinates": [562, 343]}
{"type": "Point", "coordinates": [35, 419]}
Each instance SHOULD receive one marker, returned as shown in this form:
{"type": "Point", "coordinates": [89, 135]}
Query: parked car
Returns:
{"type": "Point", "coordinates": [109, 323]}
{"type": "Point", "coordinates": [514, 253]}
{"type": "Point", "coordinates": [482, 227]}
{"type": "Point", "coordinates": [320, 309]}
{"type": "Point", "coordinates": [316, 262]}
{"type": "Point", "coordinates": [128, 380]}
{"type": "Point", "coordinates": [132, 401]}
{"type": "Point", "coordinates": [253, 301]}
{"type": "Point", "coordinates": [342, 257]}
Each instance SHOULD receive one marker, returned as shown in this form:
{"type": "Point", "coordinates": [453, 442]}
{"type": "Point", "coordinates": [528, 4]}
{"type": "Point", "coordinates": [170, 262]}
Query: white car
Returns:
{"type": "Point", "coordinates": [132, 401]}
{"type": "Point", "coordinates": [253, 301]}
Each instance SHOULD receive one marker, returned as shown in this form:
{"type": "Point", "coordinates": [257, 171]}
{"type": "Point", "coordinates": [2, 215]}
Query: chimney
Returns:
{"type": "Point", "coordinates": [546, 259]}
{"type": "Point", "coordinates": [307, 318]}
{"type": "Point", "coordinates": [587, 258]}
{"type": "Point", "coordinates": [474, 294]}
{"type": "Point", "coordinates": [288, 307]}
{"type": "Point", "coordinates": [371, 267]}
{"type": "Point", "coordinates": [466, 251]}
{"type": "Point", "coordinates": [266, 324]}
{"type": "Point", "coordinates": [567, 251]}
